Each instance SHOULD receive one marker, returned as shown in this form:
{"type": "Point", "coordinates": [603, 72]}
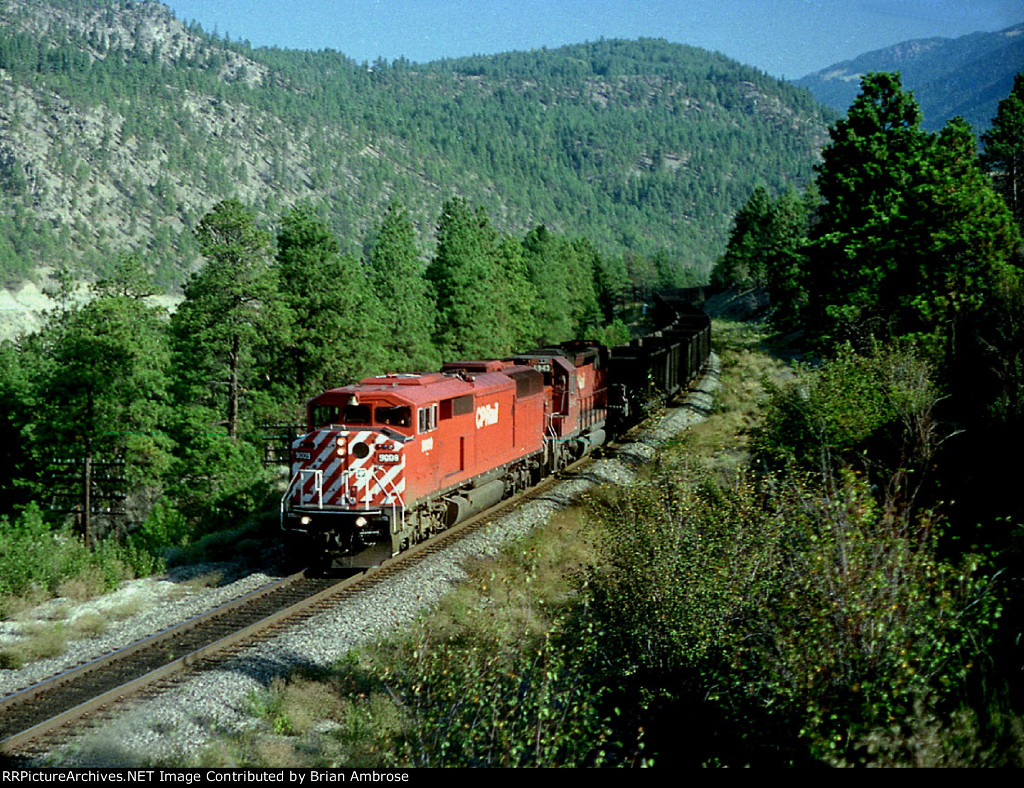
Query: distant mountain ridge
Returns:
{"type": "Point", "coordinates": [966, 76]}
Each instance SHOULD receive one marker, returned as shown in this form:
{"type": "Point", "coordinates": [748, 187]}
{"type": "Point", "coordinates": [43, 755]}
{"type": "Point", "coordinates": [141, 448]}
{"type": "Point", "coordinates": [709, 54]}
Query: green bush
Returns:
{"type": "Point", "coordinates": [807, 616]}
{"type": "Point", "coordinates": [870, 411]}
{"type": "Point", "coordinates": [36, 557]}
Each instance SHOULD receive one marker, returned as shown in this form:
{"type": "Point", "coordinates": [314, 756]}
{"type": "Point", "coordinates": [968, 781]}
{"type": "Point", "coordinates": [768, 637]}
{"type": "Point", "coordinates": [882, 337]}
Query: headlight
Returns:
{"type": "Point", "coordinates": [360, 522]}
{"type": "Point", "coordinates": [306, 520]}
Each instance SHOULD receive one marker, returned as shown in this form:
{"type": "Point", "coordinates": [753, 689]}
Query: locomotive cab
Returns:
{"type": "Point", "coordinates": [577, 408]}
{"type": "Point", "coordinates": [345, 497]}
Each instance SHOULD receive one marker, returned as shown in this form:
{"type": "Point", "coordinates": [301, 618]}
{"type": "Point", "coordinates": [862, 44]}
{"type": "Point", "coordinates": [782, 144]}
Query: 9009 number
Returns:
{"type": "Point", "coordinates": [302, 455]}
{"type": "Point", "coordinates": [387, 457]}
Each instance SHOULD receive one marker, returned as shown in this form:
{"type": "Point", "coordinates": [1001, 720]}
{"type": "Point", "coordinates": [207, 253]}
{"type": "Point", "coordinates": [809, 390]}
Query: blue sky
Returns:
{"type": "Point", "coordinates": [786, 38]}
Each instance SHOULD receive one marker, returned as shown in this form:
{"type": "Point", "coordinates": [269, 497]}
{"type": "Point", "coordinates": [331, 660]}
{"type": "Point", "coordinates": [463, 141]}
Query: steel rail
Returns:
{"type": "Point", "coordinates": [69, 681]}
{"type": "Point", "coordinates": [171, 667]}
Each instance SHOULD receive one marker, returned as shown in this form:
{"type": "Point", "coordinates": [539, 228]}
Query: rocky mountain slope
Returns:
{"type": "Point", "coordinates": [120, 126]}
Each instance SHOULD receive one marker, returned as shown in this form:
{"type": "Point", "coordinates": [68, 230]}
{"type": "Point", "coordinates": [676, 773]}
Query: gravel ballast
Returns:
{"type": "Point", "coordinates": [176, 724]}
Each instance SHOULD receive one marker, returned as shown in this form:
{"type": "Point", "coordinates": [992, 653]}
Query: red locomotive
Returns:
{"type": "Point", "coordinates": [394, 459]}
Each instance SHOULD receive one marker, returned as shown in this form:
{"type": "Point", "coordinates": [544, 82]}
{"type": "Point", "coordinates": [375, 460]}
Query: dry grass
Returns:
{"type": "Point", "coordinates": [82, 587]}
{"type": "Point", "coordinates": [720, 444]}
{"type": "Point", "coordinates": [89, 625]}
{"type": "Point", "coordinates": [16, 607]}
{"type": "Point", "coordinates": [125, 609]}
{"type": "Point", "coordinates": [306, 703]}
{"type": "Point", "coordinates": [41, 641]}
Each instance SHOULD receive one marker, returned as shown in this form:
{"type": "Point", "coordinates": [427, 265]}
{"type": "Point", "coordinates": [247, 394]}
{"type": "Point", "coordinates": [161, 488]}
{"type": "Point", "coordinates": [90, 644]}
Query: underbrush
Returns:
{"type": "Point", "coordinates": [707, 615]}
{"type": "Point", "coordinates": [500, 674]}
{"type": "Point", "coordinates": [39, 563]}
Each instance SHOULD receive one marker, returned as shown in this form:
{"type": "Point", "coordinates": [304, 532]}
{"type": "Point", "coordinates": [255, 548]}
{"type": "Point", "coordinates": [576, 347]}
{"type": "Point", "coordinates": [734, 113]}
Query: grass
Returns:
{"type": "Point", "coordinates": [125, 609]}
{"type": "Point", "coordinates": [41, 641]}
{"type": "Point", "coordinates": [89, 625]}
{"type": "Point", "coordinates": [720, 443]}
{"type": "Point", "coordinates": [84, 586]}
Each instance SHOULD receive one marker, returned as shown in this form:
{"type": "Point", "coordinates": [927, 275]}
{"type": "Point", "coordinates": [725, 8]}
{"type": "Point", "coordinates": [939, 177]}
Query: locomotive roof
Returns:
{"type": "Point", "coordinates": [429, 387]}
{"type": "Point", "coordinates": [577, 352]}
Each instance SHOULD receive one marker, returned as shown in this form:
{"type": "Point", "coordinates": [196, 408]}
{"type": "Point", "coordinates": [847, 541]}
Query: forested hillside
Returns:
{"type": "Point", "coordinates": [120, 127]}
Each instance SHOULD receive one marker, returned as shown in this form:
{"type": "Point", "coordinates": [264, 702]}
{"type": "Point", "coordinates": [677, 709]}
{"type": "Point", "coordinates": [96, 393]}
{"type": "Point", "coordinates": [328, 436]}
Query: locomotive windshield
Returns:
{"type": "Point", "coordinates": [322, 415]}
{"type": "Point", "coordinates": [325, 415]}
{"type": "Point", "coordinates": [355, 414]}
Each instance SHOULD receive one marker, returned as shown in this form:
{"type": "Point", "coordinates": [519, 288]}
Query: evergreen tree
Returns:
{"type": "Point", "coordinates": [18, 405]}
{"type": "Point", "coordinates": [335, 333]}
{"type": "Point", "coordinates": [611, 279]}
{"type": "Point", "coordinates": [909, 234]}
{"type": "Point", "coordinates": [470, 323]}
{"type": "Point", "coordinates": [742, 266]}
{"type": "Point", "coordinates": [786, 261]}
{"type": "Point", "coordinates": [1004, 149]}
{"type": "Point", "coordinates": [128, 280]}
{"type": "Point", "coordinates": [407, 313]}
{"type": "Point", "coordinates": [231, 309]}
{"type": "Point", "coordinates": [549, 272]}
{"type": "Point", "coordinates": [876, 153]}
{"type": "Point", "coordinates": [962, 237]}
{"type": "Point", "coordinates": [518, 296]}
{"type": "Point", "coordinates": [105, 398]}
{"type": "Point", "coordinates": [567, 275]}
{"type": "Point", "coordinates": [583, 292]}
{"type": "Point", "coordinates": [765, 251]}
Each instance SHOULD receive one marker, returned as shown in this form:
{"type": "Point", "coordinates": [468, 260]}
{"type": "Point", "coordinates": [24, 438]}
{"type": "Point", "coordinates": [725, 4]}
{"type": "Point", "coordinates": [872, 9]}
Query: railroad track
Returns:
{"type": "Point", "coordinates": [31, 718]}
{"type": "Point", "coordinates": [34, 719]}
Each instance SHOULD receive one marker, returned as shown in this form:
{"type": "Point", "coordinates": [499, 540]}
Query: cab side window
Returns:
{"type": "Point", "coordinates": [394, 417]}
{"type": "Point", "coordinates": [428, 418]}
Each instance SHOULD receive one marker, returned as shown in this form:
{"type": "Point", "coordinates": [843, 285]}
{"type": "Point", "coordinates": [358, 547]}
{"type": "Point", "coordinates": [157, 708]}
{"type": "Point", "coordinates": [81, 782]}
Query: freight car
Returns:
{"type": "Point", "coordinates": [394, 459]}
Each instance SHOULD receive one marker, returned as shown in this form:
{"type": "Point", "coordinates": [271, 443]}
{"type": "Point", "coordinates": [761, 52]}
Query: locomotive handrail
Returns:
{"type": "Point", "coordinates": [318, 475]}
{"type": "Point", "coordinates": [397, 504]}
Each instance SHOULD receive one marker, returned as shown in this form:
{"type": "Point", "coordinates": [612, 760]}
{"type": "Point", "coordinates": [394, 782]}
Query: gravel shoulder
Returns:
{"type": "Point", "coordinates": [176, 724]}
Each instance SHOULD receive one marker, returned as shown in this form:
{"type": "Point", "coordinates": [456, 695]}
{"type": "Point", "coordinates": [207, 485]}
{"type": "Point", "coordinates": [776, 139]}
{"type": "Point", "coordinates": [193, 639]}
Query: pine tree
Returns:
{"type": "Point", "coordinates": [463, 274]}
{"type": "Point", "coordinates": [335, 334]}
{"type": "Point", "coordinates": [742, 265]}
{"type": "Point", "coordinates": [1004, 149]}
{"type": "Point", "coordinates": [909, 236]}
{"type": "Point", "coordinates": [549, 271]}
{"type": "Point", "coordinates": [105, 398]}
{"type": "Point", "coordinates": [407, 313]}
{"type": "Point", "coordinates": [518, 295]}
{"type": "Point", "coordinates": [877, 153]}
{"type": "Point", "coordinates": [231, 309]}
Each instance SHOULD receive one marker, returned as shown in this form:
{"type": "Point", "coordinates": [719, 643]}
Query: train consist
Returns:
{"type": "Point", "coordinates": [394, 459]}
